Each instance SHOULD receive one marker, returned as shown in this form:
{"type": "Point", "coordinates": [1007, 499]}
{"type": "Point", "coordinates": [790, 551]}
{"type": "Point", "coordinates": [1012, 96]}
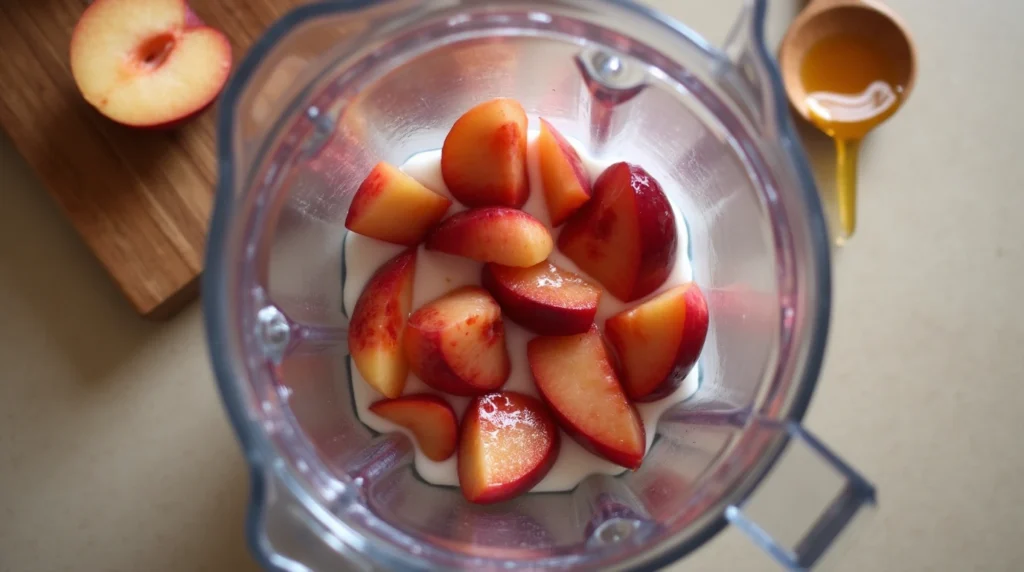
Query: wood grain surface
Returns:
{"type": "Point", "coordinates": [140, 199]}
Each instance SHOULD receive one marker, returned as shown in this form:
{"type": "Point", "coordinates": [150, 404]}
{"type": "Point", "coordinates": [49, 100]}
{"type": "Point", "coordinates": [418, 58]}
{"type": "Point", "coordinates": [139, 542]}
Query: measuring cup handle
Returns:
{"type": "Point", "coordinates": [784, 518]}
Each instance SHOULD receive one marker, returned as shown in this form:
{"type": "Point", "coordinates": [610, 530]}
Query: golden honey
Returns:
{"type": "Point", "coordinates": [850, 85]}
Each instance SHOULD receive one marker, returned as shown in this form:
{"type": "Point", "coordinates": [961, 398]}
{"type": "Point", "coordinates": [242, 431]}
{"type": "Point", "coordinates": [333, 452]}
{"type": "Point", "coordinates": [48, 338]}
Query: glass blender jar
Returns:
{"type": "Point", "coordinates": [333, 88]}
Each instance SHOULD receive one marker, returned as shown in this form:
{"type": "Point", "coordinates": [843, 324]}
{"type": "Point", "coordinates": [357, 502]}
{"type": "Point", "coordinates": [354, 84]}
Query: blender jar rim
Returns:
{"type": "Point", "coordinates": [221, 313]}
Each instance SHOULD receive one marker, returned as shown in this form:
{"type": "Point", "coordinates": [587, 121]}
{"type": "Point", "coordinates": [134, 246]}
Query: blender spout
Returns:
{"type": "Point", "coordinates": [748, 71]}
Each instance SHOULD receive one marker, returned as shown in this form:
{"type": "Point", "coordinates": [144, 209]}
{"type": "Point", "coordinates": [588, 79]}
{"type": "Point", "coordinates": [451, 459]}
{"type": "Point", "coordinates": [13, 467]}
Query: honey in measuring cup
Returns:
{"type": "Point", "coordinates": [851, 85]}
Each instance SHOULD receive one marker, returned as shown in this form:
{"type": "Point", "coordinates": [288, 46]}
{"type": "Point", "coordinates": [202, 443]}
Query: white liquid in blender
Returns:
{"type": "Point", "coordinates": [438, 273]}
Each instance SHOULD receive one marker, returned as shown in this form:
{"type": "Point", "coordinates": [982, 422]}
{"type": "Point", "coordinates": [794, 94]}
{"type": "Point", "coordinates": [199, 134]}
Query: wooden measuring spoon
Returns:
{"type": "Point", "coordinates": [847, 66]}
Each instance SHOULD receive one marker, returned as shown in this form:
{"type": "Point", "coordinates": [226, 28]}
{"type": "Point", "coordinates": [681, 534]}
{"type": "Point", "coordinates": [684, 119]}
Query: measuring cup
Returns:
{"type": "Point", "coordinates": [333, 88]}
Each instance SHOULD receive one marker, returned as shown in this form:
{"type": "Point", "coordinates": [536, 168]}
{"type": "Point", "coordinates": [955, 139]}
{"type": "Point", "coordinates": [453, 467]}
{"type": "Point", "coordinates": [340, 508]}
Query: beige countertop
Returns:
{"type": "Point", "coordinates": [115, 453]}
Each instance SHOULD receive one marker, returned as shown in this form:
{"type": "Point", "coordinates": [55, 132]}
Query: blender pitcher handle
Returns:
{"type": "Point", "coordinates": [810, 495]}
{"type": "Point", "coordinates": [783, 516]}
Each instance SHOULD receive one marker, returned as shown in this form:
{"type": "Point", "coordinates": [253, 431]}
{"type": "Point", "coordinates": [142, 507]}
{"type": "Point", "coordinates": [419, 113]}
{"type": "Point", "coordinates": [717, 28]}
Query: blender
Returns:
{"type": "Point", "coordinates": [331, 89]}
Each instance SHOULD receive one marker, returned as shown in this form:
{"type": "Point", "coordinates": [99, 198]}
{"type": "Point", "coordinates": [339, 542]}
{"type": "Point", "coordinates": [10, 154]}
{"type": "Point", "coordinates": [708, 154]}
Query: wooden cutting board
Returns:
{"type": "Point", "coordinates": [140, 199]}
